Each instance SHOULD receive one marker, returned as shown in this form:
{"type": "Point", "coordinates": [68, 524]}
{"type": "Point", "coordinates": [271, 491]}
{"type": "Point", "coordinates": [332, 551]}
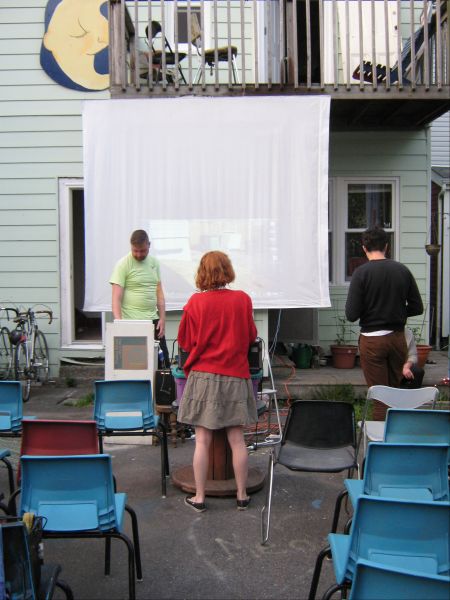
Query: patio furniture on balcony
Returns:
{"type": "Point", "coordinates": [213, 56]}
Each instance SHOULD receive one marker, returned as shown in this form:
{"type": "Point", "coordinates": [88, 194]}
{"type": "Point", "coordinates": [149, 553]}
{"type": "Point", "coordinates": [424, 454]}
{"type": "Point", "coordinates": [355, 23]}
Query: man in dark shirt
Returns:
{"type": "Point", "coordinates": [382, 295]}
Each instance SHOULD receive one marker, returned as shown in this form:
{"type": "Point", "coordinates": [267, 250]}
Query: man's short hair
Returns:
{"type": "Point", "coordinates": [139, 237]}
{"type": "Point", "coordinates": [374, 239]}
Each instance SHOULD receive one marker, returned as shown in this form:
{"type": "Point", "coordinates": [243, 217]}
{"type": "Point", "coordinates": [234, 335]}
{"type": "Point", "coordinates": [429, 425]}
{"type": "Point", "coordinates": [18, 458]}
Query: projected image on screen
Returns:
{"type": "Point", "coordinates": [247, 176]}
{"type": "Point", "coordinates": [179, 245]}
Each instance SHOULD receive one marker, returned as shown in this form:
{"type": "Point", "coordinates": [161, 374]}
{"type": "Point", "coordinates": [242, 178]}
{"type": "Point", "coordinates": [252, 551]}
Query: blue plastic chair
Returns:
{"type": "Point", "coordinates": [373, 580]}
{"type": "Point", "coordinates": [403, 534]}
{"type": "Point", "coordinates": [418, 427]}
{"type": "Point", "coordinates": [124, 407]}
{"type": "Point", "coordinates": [406, 471]}
{"type": "Point", "coordinates": [75, 496]}
{"type": "Point", "coordinates": [11, 412]}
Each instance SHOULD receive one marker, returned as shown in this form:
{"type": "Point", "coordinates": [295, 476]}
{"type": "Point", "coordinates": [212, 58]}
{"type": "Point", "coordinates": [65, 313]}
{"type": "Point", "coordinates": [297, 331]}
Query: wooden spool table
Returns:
{"type": "Point", "coordinates": [220, 480]}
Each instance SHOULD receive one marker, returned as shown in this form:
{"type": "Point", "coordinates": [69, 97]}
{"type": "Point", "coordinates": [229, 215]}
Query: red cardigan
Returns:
{"type": "Point", "coordinates": [217, 329]}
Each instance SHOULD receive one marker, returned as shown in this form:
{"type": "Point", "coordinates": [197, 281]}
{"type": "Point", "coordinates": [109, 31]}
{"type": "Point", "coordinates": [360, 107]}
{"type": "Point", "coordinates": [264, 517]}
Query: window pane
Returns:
{"type": "Point", "coordinates": [369, 204]}
{"type": "Point", "coordinates": [184, 36]}
{"type": "Point", "coordinates": [355, 254]}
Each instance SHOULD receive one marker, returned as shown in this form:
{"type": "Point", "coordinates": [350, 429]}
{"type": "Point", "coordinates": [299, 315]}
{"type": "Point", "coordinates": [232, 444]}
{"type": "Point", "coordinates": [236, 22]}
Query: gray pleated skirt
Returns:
{"type": "Point", "coordinates": [216, 401]}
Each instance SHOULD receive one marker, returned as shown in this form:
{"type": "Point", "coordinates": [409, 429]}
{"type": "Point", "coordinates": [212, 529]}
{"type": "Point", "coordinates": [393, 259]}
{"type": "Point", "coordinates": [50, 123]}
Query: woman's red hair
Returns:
{"type": "Point", "coordinates": [214, 271]}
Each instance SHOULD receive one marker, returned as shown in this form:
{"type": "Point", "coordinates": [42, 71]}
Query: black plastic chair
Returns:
{"type": "Point", "coordinates": [24, 575]}
{"type": "Point", "coordinates": [318, 437]}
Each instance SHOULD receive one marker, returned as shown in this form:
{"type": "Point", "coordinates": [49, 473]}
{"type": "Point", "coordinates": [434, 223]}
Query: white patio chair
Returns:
{"type": "Point", "coordinates": [373, 431]}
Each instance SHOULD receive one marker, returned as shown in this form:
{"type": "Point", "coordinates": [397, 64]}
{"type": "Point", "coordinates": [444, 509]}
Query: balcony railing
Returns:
{"type": "Point", "coordinates": [242, 46]}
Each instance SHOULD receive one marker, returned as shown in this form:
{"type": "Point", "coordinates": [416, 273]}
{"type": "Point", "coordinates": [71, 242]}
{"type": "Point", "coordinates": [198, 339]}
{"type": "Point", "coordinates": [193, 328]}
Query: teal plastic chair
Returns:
{"type": "Point", "coordinates": [402, 534]}
{"type": "Point", "coordinates": [406, 471]}
{"type": "Point", "coordinates": [75, 497]}
{"type": "Point", "coordinates": [418, 427]}
{"type": "Point", "coordinates": [373, 580]}
{"type": "Point", "coordinates": [11, 413]}
{"type": "Point", "coordinates": [125, 408]}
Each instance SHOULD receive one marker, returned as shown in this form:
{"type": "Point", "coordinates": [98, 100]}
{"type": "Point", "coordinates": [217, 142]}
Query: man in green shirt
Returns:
{"type": "Point", "coordinates": [136, 288]}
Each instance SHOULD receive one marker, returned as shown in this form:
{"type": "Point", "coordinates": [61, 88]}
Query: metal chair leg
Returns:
{"type": "Point", "coordinates": [10, 474]}
{"type": "Point", "coordinates": [131, 564]}
{"type": "Point", "coordinates": [325, 553]}
{"type": "Point", "coordinates": [268, 504]}
{"type": "Point", "coordinates": [62, 585]}
{"type": "Point", "coordinates": [332, 590]}
{"type": "Point", "coordinates": [337, 510]}
{"type": "Point", "coordinates": [136, 544]}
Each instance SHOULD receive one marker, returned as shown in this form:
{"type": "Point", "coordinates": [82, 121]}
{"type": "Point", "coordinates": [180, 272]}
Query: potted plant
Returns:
{"type": "Point", "coordinates": [343, 352]}
{"type": "Point", "coordinates": [423, 350]}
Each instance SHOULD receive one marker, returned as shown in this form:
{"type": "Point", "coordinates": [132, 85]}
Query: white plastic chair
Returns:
{"type": "Point", "coordinates": [373, 431]}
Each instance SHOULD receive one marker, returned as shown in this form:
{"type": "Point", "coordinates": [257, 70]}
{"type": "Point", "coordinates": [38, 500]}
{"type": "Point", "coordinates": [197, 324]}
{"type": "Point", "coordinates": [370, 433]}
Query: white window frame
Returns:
{"type": "Point", "coordinates": [338, 219]}
{"type": "Point", "coordinates": [170, 26]}
{"type": "Point", "coordinates": [66, 187]}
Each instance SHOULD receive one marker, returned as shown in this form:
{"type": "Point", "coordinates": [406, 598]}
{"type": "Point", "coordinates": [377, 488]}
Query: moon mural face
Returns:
{"type": "Point", "coordinates": [74, 50]}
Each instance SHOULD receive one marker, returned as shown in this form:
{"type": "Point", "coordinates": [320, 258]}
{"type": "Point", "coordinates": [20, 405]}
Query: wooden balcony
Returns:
{"type": "Point", "coordinates": [266, 47]}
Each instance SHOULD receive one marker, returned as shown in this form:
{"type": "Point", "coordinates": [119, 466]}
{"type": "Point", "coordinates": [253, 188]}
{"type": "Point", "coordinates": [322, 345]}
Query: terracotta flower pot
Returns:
{"type": "Point", "coordinates": [423, 350]}
{"type": "Point", "coordinates": [343, 356]}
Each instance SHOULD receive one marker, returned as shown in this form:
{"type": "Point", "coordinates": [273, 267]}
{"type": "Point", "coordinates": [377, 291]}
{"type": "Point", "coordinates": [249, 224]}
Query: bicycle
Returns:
{"type": "Point", "coordinates": [6, 348]}
{"type": "Point", "coordinates": [31, 350]}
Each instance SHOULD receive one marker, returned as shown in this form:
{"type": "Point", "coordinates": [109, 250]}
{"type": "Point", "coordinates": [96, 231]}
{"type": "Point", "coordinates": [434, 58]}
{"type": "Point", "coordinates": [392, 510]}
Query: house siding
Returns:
{"type": "Point", "coordinates": [41, 141]}
{"type": "Point", "coordinates": [400, 154]}
{"type": "Point", "coordinates": [440, 146]}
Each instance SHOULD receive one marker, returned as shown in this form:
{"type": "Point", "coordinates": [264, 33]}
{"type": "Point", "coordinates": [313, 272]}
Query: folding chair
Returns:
{"type": "Point", "coordinates": [212, 56]}
{"type": "Point", "coordinates": [409, 535]}
{"type": "Point", "coordinates": [318, 437]}
{"type": "Point", "coordinates": [373, 580]}
{"type": "Point", "coordinates": [75, 497]}
{"type": "Point", "coordinates": [406, 471]}
{"type": "Point", "coordinates": [125, 408]}
{"type": "Point", "coordinates": [164, 57]}
{"type": "Point", "coordinates": [25, 578]}
{"type": "Point", "coordinates": [373, 431]}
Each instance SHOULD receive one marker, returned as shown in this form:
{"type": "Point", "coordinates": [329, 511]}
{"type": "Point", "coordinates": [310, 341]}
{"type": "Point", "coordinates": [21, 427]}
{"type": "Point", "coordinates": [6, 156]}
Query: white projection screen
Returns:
{"type": "Point", "coordinates": [247, 176]}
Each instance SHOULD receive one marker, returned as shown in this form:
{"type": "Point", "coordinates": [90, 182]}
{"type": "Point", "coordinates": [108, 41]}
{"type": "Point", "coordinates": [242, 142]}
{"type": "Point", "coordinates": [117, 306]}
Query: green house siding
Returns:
{"type": "Point", "coordinates": [41, 141]}
{"type": "Point", "coordinates": [405, 156]}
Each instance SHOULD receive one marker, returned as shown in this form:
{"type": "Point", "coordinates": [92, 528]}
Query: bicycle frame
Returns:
{"type": "Point", "coordinates": [31, 350]}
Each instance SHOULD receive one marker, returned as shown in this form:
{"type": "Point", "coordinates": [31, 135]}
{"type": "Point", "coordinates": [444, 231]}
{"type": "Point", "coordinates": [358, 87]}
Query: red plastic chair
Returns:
{"type": "Point", "coordinates": [48, 437]}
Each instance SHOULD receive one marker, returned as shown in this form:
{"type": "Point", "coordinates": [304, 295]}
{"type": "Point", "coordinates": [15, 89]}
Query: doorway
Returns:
{"type": "Point", "coordinates": [79, 328]}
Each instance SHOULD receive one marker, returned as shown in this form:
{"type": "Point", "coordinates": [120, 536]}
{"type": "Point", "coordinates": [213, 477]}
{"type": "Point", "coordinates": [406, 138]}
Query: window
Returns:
{"type": "Point", "coordinates": [357, 205]}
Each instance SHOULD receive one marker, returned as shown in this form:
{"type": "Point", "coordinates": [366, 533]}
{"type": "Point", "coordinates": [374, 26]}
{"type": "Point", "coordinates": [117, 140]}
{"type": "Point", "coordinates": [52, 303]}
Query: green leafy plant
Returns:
{"type": "Point", "coordinates": [344, 392]}
{"type": "Point", "coordinates": [87, 400]}
{"type": "Point", "coordinates": [344, 331]}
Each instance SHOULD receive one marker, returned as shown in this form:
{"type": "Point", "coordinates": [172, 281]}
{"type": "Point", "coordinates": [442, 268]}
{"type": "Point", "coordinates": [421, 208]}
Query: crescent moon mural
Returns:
{"type": "Point", "coordinates": [74, 50]}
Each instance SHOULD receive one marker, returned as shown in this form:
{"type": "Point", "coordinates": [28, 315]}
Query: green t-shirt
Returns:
{"type": "Point", "coordinates": [139, 280]}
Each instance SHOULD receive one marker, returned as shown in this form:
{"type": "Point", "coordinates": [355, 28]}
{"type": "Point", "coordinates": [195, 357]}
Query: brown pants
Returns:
{"type": "Point", "coordinates": [382, 360]}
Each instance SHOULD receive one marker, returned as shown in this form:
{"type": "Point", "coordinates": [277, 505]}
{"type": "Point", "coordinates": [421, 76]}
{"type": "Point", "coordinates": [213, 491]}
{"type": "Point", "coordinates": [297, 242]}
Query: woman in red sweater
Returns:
{"type": "Point", "coordinates": [217, 329]}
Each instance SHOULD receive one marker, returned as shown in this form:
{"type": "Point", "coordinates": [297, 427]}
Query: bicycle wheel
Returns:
{"type": "Point", "coordinates": [22, 370]}
{"type": "Point", "coordinates": [6, 354]}
{"type": "Point", "coordinates": [40, 358]}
